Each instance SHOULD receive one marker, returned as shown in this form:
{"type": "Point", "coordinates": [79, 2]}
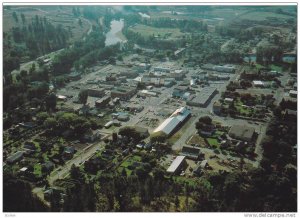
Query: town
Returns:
{"type": "Point", "coordinates": [161, 125]}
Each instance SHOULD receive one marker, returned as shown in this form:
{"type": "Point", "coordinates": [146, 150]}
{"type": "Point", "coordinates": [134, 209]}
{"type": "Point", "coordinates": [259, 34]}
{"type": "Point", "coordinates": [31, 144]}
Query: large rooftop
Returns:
{"type": "Point", "coordinates": [175, 164]}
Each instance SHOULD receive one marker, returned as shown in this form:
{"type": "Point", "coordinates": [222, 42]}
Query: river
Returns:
{"type": "Point", "coordinates": [115, 34]}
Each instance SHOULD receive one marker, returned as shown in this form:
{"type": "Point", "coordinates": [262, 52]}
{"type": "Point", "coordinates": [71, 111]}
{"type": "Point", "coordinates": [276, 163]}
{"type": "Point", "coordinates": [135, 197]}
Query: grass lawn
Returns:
{"type": "Point", "coordinates": [196, 139]}
{"type": "Point", "coordinates": [128, 162]}
{"type": "Point", "coordinates": [37, 170]}
{"type": "Point", "coordinates": [259, 66]}
{"type": "Point", "coordinates": [213, 142]}
{"type": "Point", "coordinates": [276, 68]}
{"type": "Point", "coordinates": [146, 31]}
{"type": "Point", "coordinates": [182, 180]}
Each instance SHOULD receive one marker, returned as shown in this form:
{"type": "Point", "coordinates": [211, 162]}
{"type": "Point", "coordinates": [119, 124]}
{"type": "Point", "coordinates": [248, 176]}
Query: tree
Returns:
{"type": "Point", "coordinates": [50, 123]}
{"type": "Point", "coordinates": [83, 96]}
{"type": "Point", "coordinates": [23, 18]}
{"type": "Point", "coordinates": [41, 117]}
{"type": "Point", "coordinates": [158, 137]}
{"type": "Point", "coordinates": [80, 22]}
{"type": "Point", "coordinates": [50, 101]}
{"type": "Point", "coordinates": [206, 120]}
{"type": "Point", "coordinates": [15, 16]}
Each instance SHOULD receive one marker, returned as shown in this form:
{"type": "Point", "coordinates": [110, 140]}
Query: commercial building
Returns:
{"type": "Point", "coordinates": [174, 121]}
{"type": "Point", "coordinates": [177, 165]}
{"type": "Point", "coordinates": [203, 98]}
{"type": "Point", "coordinates": [96, 92]}
{"type": "Point", "coordinates": [162, 69]}
{"type": "Point", "coordinates": [128, 74]}
{"type": "Point", "coordinates": [102, 102]}
{"type": "Point", "coordinates": [123, 92]}
{"type": "Point", "coordinates": [145, 93]}
{"type": "Point", "coordinates": [224, 68]}
{"type": "Point", "coordinates": [177, 74]}
{"type": "Point", "coordinates": [244, 133]}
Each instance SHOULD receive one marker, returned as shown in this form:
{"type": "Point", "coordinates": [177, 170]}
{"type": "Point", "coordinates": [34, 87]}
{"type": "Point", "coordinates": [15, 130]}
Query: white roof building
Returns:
{"type": "Point", "coordinates": [176, 164]}
{"type": "Point", "coordinates": [173, 121]}
{"type": "Point", "coordinates": [258, 83]}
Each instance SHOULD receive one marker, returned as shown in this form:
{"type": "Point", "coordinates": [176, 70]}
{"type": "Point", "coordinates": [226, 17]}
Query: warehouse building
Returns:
{"type": "Point", "coordinates": [224, 68]}
{"type": "Point", "coordinates": [177, 165]}
{"type": "Point", "coordinates": [174, 121]}
{"type": "Point", "coordinates": [204, 98]}
{"type": "Point", "coordinates": [96, 92]}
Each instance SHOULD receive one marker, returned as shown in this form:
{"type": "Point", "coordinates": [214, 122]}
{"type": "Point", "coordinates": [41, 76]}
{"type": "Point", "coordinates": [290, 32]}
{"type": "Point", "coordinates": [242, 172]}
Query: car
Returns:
{"type": "Point", "coordinates": [140, 146]}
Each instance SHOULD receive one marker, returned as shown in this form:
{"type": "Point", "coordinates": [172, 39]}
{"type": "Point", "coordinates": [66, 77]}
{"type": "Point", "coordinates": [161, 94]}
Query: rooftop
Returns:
{"type": "Point", "coordinates": [175, 164]}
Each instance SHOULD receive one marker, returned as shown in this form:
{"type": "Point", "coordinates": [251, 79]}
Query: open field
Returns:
{"type": "Point", "coordinates": [56, 17]}
{"type": "Point", "coordinates": [259, 16]}
{"type": "Point", "coordinates": [147, 31]}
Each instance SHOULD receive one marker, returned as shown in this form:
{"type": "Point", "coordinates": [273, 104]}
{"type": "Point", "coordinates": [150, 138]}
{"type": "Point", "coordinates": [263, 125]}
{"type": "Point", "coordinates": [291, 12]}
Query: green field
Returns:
{"type": "Point", "coordinates": [128, 162]}
{"type": "Point", "coordinates": [259, 16]}
{"type": "Point", "coordinates": [160, 32]}
{"type": "Point", "coordinates": [213, 142]}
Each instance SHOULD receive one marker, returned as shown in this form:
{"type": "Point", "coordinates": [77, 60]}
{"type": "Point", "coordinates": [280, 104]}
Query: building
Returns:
{"type": "Point", "coordinates": [145, 93]}
{"type": "Point", "coordinates": [178, 92]}
{"type": "Point", "coordinates": [102, 102]}
{"type": "Point", "coordinates": [61, 97]}
{"type": "Point", "coordinates": [74, 76]}
{"type": "Point", "coordinates": [123, 92]}
{"type": "Point", "coordinates": [217, 107]}
{"type": "Point", "coordinates": [96, 92]}
{"type": "Point", "coordinates": [15, 157]}
{"type": "Point", "coordinates": [244, 133]}
{"type": "Point", "coordinates": [293, 93]}
{"type": "Point", "coordinates": [142, 67]}
{"type": "Point", "coordinates": [162, 69]}
{"type": "Point", "coordinates": [224, 68]}
{"type": "Point", "coordinates": [179, 52]}
{"type": "Point", "coordinates": [30, 146]}
{"type": "Point", "coordinates": [48, 166]}
{"type": "Point", "coordinates": [228, 100]}
{"type": "Point", "coordinates": [123, 117]}
{"type": "Point", "coordinates": [177, 165]}
{"type": "Point", "coordinates": [290, 115]}
{"type": "Point", "coordinates": [191, 152]}
{"type": "Point", "coordinates": [128, 74]}
{"type": "Point", "coordinates": [174, 121]}
{"type": "Point", "coordinates": [177, 74]}
{"type": "Point", "coordinates": [203, 99]}
{"type": "Point", "coordinates": [108, 124]}
{"type": "Point", "coordinates": [92, 135]}
{"type": "Point", "coordinates": [200, 167]}
{"type": "Point", "coordinates": [258, 83]}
